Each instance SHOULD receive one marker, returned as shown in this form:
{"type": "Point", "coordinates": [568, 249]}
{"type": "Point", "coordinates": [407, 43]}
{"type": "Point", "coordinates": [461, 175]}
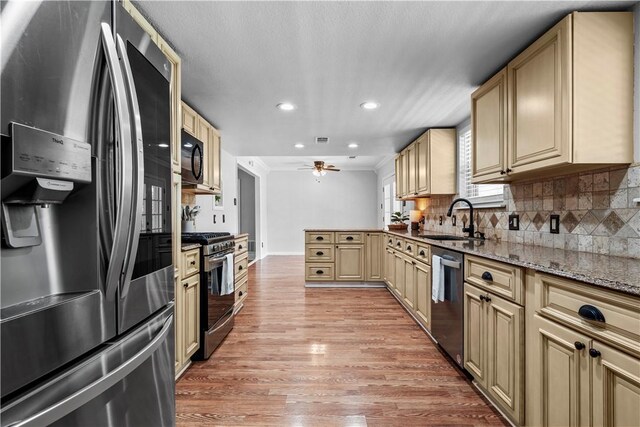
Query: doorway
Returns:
{"type": "Point", "coordinates": [247, 212]}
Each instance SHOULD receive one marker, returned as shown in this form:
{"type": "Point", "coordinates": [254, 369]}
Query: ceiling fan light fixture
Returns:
{"type": "Point", "coordinates": [317, 172]}
{"type": "Point", "coordinates": [369, 105]}
{"type": "Point", "coordinates": [286, 106]}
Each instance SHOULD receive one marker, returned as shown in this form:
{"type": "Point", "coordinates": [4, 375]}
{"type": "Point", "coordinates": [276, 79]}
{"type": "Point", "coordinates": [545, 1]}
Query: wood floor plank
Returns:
{"type": "Point", "coordinates": [325, 357]}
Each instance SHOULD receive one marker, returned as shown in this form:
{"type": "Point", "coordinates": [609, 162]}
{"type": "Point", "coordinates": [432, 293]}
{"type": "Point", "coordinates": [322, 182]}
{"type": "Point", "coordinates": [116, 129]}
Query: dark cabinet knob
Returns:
{"type": "Point", "coordinates": [398, 244]}
{"type": "Point", "coordinates": [502, 172]}
{"type": "Point", "coordinates": [239, 246]}
{"type": "Point", "coordinates": [422, 253]}
{"type": "Point", "coordinates": [349, 238]}
{"type": "Point", "coordinates": [481, 297]}
{"type": "Point", "coordinates": [186, 285]}
{"type": "Point", "coordinates": [319, 271]}
{"type": "Point", "coordinates": [239, 268]}
{"type": "Point", "coordinates": [240, 293]}
{"type": "Point", "coordinates": [487, 276]}
{"type": "Point", "coordinates": [509, 170]}
{"type": "Point", "coordinates": [319, 253]}
{"type": "Point", "coordinates": [408, 248]}
{"type": "Point", "coordinates": [193, 262]}
{"type": "Point", "coordinates": [319, 238]}
{"type": "Point", "coordinates": [390, 241]}
{"type": "Point", "coordinates": [591, 313]}
{"type": "Point", "coordinates": [487, 298]}
{"type": "Point", "coordinates": [594, 353]}
{"type": "Point", "coordinates": [578, 345]}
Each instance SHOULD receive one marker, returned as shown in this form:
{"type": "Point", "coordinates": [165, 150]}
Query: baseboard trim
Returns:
{"type": "Point", "coordinates": [344, 285]}
{"type": "Point", "coordinates": [284, 253]}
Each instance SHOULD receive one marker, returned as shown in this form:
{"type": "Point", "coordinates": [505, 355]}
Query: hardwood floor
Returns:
{"type": "Point", "coordinates": [325, 357]}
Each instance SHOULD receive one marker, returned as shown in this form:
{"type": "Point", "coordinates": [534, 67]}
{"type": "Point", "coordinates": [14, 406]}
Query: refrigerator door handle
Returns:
{"type": "Point", "coordinates": [138, 175]}
{"type": "Point", "coordinates": [84, 395]}
{"type": "Point", "coordinates": [124, 174]}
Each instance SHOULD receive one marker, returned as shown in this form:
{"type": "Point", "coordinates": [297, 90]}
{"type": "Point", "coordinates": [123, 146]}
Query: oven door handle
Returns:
{"type": "Point", "coordinates": [210, 260]}
{"type": "Point", "coordinates": [452, 264]}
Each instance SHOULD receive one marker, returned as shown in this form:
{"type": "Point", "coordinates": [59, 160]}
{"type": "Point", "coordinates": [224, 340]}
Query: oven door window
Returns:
{"type": "Point", "coordinates": [217, 304]}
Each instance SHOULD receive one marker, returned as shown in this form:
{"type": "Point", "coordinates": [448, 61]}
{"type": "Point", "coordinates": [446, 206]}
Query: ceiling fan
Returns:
{"type": "Point", "coordinates": [319, 169]}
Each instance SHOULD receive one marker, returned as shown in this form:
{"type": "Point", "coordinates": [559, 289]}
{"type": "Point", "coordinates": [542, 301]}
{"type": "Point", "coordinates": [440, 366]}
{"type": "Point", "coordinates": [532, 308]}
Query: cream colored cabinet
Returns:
{"type": "Point", "coordinates": [203, 135]}
{"type": "Point", "coordinates": [241, 270]}
{"type": "Point", "coordinates": [190, 316]}
{"type": "Point", "coordinates": [399, 176]}
{"type": "Point", "coordinates": [489, 129]}
{"type": "Point", "coordinates": [422, 305]}
{"type": "Point", "coordinates": [563, 100]}
{"type": "Point", "coordinates": [349, 262]}
{"type": "Point", "coordinates": [409, 293]}
{"type": "Point", "coordinates": [189, 120]}
{"type": "Point", "coordinates": [389, 267]}
{"type": "Point", "coordinates": [581, 372]}
{"type": "Point", "coordinates": [215, 161]}
{"type": "Point", "coordinates": [374, 265]}
{"type": "Point", "coordinates": [428, 165]}
{"type": "Point", "coordinates": [398, 277]}
{"type": "Point", "coordinates": [494, 341]}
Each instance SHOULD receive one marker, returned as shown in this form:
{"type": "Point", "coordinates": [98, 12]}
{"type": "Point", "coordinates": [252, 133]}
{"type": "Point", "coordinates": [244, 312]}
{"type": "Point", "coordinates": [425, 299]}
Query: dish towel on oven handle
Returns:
{"type": "Point", "coordinates": [437, 283]}
{"type": "Point", "coordinates": [227, 286]}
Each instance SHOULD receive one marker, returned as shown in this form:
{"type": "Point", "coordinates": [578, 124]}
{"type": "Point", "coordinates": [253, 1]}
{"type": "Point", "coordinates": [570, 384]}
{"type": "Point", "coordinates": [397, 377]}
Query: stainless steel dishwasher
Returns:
{"type": "Point", "coordinates": [447, 315]}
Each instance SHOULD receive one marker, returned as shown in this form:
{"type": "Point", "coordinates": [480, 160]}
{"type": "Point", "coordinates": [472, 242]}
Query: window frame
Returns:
{"type": "Point", "coordinates": [478, 202]}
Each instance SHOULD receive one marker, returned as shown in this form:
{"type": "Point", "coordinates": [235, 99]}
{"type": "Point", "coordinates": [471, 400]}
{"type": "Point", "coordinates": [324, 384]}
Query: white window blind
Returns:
{"type": "Point", "coordinates": [478, 194]}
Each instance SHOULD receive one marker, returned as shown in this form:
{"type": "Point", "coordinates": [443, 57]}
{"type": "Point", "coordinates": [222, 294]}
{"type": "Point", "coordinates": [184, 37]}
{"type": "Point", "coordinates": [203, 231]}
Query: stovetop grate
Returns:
{"type": "Point", "coordinates": [205, 237]}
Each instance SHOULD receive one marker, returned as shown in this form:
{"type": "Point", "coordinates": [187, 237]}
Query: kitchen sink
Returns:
{"type": "Point", "coordinates": [446, 237]}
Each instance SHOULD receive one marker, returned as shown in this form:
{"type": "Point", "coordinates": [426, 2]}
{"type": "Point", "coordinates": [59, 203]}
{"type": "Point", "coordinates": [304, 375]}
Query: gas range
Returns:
{"type": "Point", "coordinates": [212, 243]}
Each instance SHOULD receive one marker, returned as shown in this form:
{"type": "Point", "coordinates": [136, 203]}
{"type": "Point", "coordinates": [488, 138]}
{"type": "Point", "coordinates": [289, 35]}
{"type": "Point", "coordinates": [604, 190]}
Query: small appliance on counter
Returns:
{"type": "Point", "coordinates": [217, 295]}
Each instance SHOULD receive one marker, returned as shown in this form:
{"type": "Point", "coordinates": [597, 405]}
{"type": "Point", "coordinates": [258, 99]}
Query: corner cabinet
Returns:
{"type": "Point", "coordinates": [565, 94]}
{"type": "Point", "coordinates": [427, 166]}
{"type": "Point", "coordinates": [198, 127]}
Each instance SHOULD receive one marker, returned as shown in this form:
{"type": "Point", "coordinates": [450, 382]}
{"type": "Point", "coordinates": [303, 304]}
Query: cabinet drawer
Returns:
{"type": "Point", "coordinates": [501, 279]}
{"type": "Point", "coordinates": [319, 253]}
{"type": "Point", "coordinates": [409, 247]}
{"type": "Point", "coordinates": [241, 265]}
{"type": "Point", "coordinates": [349, 238]}
{"type": "Point", "coordinates": [318, 237]}
{"type": "Point", "coordinates": [423, 253]}
{"type": "Point", "coordinates": [241, 245]}
{"type": "Point", "coordinates": [319, 272]}
{"type": "Point", "coordinates": [389, 240]}
{"type": "Point", "coordinates": [190, 263]}
{"type": "Point", "coordinates": [241, 289]}
{"type": "Point", "coordinates": [561, 299]}
{"type": "Point", "coordinates": [398, 243]}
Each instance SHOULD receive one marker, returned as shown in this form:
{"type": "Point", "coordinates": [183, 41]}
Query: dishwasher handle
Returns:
{"type": "Point", "coordinates": [449, 263]}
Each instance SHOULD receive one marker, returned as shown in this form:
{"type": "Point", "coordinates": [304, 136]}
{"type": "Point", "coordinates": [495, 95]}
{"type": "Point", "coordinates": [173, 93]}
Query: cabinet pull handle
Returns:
{"type": "Point", "coordinates": [594, 353]}
{"type": "Point", "coordinates": [422, 253]}
{"type": "Point", "coordinates": [319, 253]}
{"type": "Point", "coordinates": [509, 170]}
{"type": "Point", "coordinates": [349, 238]}
{"type": "Point", "coordinates": [409, 247]}
{"type": "Point", "coordinates": [578, 345]}
{"type": "Point", "coordinates": [502, 172]}
{"type": "Point", "coordinates": [186, 285]}
{"type": "Point", "coordinates": [239, 268]}
{"type": "Point", "coordinates": [240, 293]}
{"type": "Point", "coordinates": [487, 298]}
{"type": "Point", "coordinates": [398, 244]}
{"type": "Point", "coordinates": [319, 272]}
{"type": "Point", "coordinates": [481, 297]}
{"type": "Point", "coordinates": [319, 238]}
{"type": "Point", "coordinates": [239, 247]}
{"type": "Point", "coordinates": [591, 313]}
{"type": "Point", "coordinates": [193, 262]}
{"type": "Point", "coordinates": [487, 276]}
{"type": "Point", "coordinates": [390, 241]}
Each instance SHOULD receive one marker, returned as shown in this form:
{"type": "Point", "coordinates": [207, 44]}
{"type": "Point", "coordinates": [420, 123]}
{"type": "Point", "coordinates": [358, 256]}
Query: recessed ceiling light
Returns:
{"type": "Point", "coordinates": [353, 145]}
{"type": "Point", "coordinates": [298, 145]}
{"type": "Point", "coordinates": [286, 106]}
{"type": "Point", "coordinates": [163, 145]}
{"type": "Point", "coordinates": [369, 105]}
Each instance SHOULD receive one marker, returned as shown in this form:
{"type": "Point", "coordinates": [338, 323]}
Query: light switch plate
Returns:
{"type": "Point", "coordinates": [514, 222]}
{"type": "Point", "coordinates": [440, 219]}
{"type": "Point", "coordinates": [453, 220]}
{"type": "Point", "coordinates": [554, 224]}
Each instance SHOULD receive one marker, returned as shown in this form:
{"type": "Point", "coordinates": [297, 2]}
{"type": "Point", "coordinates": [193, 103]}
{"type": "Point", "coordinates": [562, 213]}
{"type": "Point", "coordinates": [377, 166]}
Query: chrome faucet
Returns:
{"type": "Point", "coordinates": [470, 229]}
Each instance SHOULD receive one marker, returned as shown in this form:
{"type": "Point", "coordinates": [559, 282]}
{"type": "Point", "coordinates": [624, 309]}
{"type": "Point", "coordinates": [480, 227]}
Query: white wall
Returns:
{"type": "Point", "coordinates": [260, 171]}
{"type": "Point", "coordinates": [204, 221]}
{"type": "Point", "coordinates": [295, 201]}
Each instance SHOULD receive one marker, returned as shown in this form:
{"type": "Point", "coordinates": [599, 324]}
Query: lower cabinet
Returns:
{"type": "Point", "coordinates": [422, 305]}
{"type": "Point", "coordinates": [389, 267]}
{"type": "Point", "coordinates": [191, 315]}
{"type": "Point", "coordinates": [398, 277]}
{"type": "Point", "coordinates": [373, 257]}
{"type": "Point", "coordinates": [349, 262]}
{"type": "Point", "coordinates": [494, 348]}
{"type": "Point", "coordinates": [409, 294]}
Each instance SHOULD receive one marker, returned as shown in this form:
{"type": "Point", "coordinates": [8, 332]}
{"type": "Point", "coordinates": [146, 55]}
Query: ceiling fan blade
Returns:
{"type": "Point", "coordinates": [306, 169]}
{"type": "Point", "coordinates": [332, 170]}
{"type": "Point", "coordinates": [330, 166]}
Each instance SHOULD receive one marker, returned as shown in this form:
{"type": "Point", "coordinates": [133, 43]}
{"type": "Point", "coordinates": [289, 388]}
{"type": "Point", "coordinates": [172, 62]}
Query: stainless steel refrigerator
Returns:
{"type": "Point", "coordinates": [86, 291]}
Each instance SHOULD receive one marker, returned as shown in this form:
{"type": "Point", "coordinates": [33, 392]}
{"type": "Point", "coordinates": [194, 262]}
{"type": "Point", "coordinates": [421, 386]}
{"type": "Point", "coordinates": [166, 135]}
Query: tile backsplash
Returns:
{"type": "Point", "coordinates": [597, 212]}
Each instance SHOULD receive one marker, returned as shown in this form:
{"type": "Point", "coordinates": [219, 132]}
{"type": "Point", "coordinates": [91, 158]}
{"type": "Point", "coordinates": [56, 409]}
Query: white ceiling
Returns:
{"type": "Point", "coordinates": [419, 60]}
{"type": "Point", "coordinates": [340, 162]}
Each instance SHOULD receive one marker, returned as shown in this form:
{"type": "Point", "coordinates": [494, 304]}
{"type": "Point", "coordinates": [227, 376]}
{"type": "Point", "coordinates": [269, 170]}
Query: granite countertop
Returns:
{"type": "Point", "coordinates": [189, 246]}
{"type": "Point", "coordinates": [607, 271]}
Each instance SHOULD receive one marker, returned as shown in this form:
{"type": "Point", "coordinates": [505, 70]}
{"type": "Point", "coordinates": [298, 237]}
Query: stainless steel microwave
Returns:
{"type": "Point", "coordinates": [192, 161]}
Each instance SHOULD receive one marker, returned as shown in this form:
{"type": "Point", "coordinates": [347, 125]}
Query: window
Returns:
{"type": "Point", "coordinates": [481, 195]}
{"type": "Point", "coordinates": [389, 202]}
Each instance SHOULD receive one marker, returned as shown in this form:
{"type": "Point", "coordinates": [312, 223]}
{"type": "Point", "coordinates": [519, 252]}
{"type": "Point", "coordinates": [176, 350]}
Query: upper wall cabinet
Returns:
{"type": "Point", "coordinates": [197, 126]}
{"type": "Point", "coordinates": [568, 103]}
{"type": "Point", "coordinates": [428, 165]}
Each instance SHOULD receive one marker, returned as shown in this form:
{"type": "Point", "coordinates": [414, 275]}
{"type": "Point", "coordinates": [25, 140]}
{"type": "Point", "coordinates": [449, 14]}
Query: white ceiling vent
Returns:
{"type": "Point", "coordinates": [322, 139]}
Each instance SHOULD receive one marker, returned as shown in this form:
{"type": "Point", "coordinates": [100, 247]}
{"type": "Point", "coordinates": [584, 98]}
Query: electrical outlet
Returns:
{"type": "Point", "coordinates": [554, 224]}
{"type": "Point", "coordinates": [453, 220]}
{"type": "Point", "coordinates": [514, 222]}
{"type": "Point", "coordinates": [223, 218]}
{"type": "Point", "coordinates": [235, 202]}
{"type": "Point", "coordinates": [214, 218]}
{"type": "Point", "coordinates": [440, 219]}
